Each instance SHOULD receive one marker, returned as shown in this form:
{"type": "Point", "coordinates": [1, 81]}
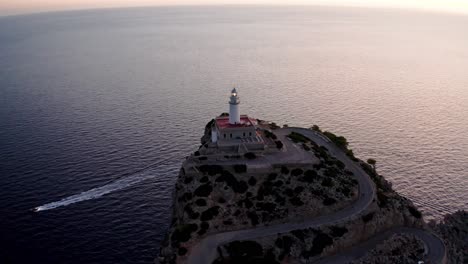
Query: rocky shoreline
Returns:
{"type": "Point", "coordinates": [215, 195]}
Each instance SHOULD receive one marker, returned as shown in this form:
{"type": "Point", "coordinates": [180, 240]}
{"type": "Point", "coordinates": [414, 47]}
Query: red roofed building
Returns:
{"type": "Point", "coordinates": [236, 130]}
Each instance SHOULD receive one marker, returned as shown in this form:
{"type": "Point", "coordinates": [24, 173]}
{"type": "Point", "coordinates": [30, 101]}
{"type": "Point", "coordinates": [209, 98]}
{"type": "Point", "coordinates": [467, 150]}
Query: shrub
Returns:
{"type": "Point", "coordinates": [209, 213]}
{"type": "Point", "coordinates": [204, 190]}
{"type": "Point", "coordinates": [204, 179]}
{"type": "Point", "coordinates": [297, 137]}
{"type": "Point", "coordinates": [310, 175]}
{"type": "Point", "coordinates": [244, 250]}
{"type": "Point", "coordinates": [253, 217]}
{"type": "Point", "coordinates": [414, 212]}
{"type": "Point", "coordinates": [183, 233]}
{"type": "Point", "coordinates": [368, 217]}
{"type": "Point", "coordinates": [296, 201]}
{"type": "Point", "coordinates": [240, 168]}
{"type": "Point", "coordinates": [279, 144]}
{"type": "Point", "coordinates": [272, 176]}
{"type": "Point", "coordinates": [382, 198]}
{"type": "Point", "coordinates": [320, 242]}
{"type": "Point", "coordinates": [240, 187]}
{"type": "Point", "coordinates": [188, 180]}
{"type": "Point", "coordinates": [269, 207]}
{"type": "Point", "coordinates": [252, 181]}
{"type": "Point", "coordinates": [316, 128]}
{"type": "Point", "coordinates": [269, 134]}
{"type": "Point", "coordinates": [337, 231]}
{"type": "Point", "coordinates": [250, 155]}
{"type": "Point", "coordinates": [327, 182]}
{"type": "Point", "coordinates": [329, 201]}
{"type": "Point", "coordinates": [200, 202]}
{"type": "Point", "coordinates": [340, 141]}
{"type": "Point", "coordinates": [284, 170]}
{"type": "Point", "coordinates": [297, 172]}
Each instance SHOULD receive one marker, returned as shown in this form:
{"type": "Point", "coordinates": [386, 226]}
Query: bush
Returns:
{"type": "Point", "coordinates": [272, 176]}
{"type": "Point", "coordinates": [250, 155]}
{"type": "Point", "coordinates": [310, 175]}
{"type": "Point", "coordinates": [284, 170]}
{"type": "Point", "coordinates": [200, 202]}
{"type": "Point", "coordinates": [329, 201]}
{"type": "Point", "coordinates": [188, 179]}
{"type": "Point", "coordinates": [316, 128]}
{"type": "Point", "coordinates": [340, 141]}
{"type": "Point", "coordinates": [269, 134]}
{"type": "Point", "coordinates": [183, 233]}
{"type": "Point", "coordinates": [252, 181]}
{"type": "Point", "coordinates": [296, 201]}
{"type": "Point", "coordinates": [327, 182]}
{"type": "Point", "coordinates": [414, 212]}
{"type": "Point", "coordinates": [297, 137]}
{"type": "Point", "coordinates": [240, 168]}
{"type": "Point", "coordinates": [209, 213]}
{"type": "Point", "coordinates": [297, 172]}
{"type": "Point", "coordinates": [241, 251]}
{"type": "Point", "coordinates": [204, 179]}
{"type": "Point", "coordinates": [337, 231]}
{"type": "Point", "coordinates": [204, 190]}
{"type": "Point", "coordinates": [240, 187]}
{"type": "Point", "coordinates": [279, 144]}
{"type": "Point", "coordinates": [368, 217]}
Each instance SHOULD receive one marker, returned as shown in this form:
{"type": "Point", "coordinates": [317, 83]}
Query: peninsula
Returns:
{"type": "Point", "coordinates": [255, 192]}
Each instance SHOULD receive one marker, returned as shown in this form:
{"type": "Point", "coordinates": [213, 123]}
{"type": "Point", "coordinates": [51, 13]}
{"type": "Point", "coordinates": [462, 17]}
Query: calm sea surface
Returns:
{"type": "Point", "coordinates": [99, 108]}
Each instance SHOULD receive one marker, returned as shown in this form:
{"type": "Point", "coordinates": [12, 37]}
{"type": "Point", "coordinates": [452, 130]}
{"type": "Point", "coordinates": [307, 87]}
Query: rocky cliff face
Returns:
{"type": "Point", "coordinates": [398, 249]}
{"type": "Point", "coordinates": [453, 229]}
{"type": "Point", "coordinates": [307, 245]}
{"type": "Point", "coordinates": [210, 197]}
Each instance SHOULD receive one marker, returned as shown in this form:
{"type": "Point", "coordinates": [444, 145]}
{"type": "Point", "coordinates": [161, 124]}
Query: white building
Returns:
{"type": "Point", "coordinates": [236, 130]}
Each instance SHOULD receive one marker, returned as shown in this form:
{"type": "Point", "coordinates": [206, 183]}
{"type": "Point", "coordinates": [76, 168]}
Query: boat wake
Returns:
{"type": "Point", "coordinates": [97, 192]}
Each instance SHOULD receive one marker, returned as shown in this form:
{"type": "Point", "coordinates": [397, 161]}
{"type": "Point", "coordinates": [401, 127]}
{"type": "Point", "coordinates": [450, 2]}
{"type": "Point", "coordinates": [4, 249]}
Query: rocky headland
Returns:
{"type": "Point", "coordinates": [304, 199]}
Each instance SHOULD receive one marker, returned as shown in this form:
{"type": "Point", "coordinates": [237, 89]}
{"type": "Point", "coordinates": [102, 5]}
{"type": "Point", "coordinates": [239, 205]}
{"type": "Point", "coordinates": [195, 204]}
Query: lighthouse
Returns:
{"type": "Point", "coordinates": [234, 113]}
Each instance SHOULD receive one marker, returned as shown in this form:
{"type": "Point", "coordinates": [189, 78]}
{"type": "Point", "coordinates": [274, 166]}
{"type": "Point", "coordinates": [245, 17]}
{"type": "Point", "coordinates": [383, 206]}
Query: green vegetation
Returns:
{"type": "Point", "coordinates": [183, 233]}
{"type": "Point", "coordinates": [204, 190]}
{"type": "Point", "coordinates": [269, 134]}
{"type": "Point", "coordinates": [372, 162]}
{"type": "Point", "coordinates": [337, 231]}
{"type": "Point", "coordinates": [297, 137]}
{"type": "Point", "coordinates": [279, 144]}
{"type": "Point", "coordinates": [414, 212]}
{"type": "Point", "coordinates": [200, 202]}
{"type": "Point", "coordinates": [209, 213]}
{"type": "Point", "coordinates": [368, 217]}
{"type": "Point", "coordinates": [340, 141]}
{"type": "Point", "coordinates": [316, 128]}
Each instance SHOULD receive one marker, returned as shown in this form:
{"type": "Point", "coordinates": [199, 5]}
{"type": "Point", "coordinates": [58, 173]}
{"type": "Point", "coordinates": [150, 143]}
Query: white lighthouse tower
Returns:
{"type": "Point", "coordinates": [234, 113]}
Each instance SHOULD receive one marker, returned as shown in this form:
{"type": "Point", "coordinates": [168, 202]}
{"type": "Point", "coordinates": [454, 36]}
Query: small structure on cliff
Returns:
{"type": "Point", "coordinates": [236, 131]}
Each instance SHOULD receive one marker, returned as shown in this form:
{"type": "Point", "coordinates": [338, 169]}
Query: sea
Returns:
{"type": "Point", "coordinates": [99, 108]}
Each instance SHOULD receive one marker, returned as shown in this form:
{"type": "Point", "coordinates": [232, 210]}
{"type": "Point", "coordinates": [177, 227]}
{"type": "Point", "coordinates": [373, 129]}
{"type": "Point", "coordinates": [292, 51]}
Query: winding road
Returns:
{"type": "Point", "coordinates": [204, 252]}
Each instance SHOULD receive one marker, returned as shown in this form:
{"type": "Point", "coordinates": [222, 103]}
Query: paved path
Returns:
{"type": "Point", "coordinates": [205, 252]}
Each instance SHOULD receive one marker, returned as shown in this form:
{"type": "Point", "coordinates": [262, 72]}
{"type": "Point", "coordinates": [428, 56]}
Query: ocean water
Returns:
{"type": "Point", "coordinates": [99, 108]}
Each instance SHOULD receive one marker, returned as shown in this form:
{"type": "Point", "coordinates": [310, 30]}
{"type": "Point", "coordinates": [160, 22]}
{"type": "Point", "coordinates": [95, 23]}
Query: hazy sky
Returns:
{"type": "Point", "coordinates": [26, 6]}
